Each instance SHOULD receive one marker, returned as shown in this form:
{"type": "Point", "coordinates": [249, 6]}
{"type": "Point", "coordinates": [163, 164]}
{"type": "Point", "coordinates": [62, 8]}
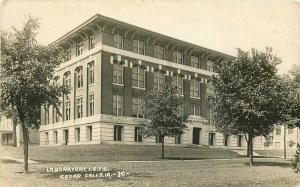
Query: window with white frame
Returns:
{"type": "Point", "coordinates": [79, 49]}
{"type": "Point", "coordinates": [118, 41]}
{"type": "Point", "coordinates": [68, 55]}
{"type": "Point", "coordinates": [210, 66]}
{"type": "Point", "coordinates": [117, 105]}
{"type": "Point", "coordinates": [195, 62]}
{"type": "Point", "coordinates": [195, 88]}
{"type": "Point", "coordinates": [79, 107]}
{"type": "Point", "coordinates": [158, 79]}
{"type": "Point", "coordinates": [67, 114]}
{"type": "Point", "coordinates": [178, 81]}
{"type": "Point", "coordinates": [91, 73]}
{"type": "Point", "coordinates": [118, 73]}
{"type": "Point", "coordinates": [177, 57]}
{"type": "Point", "coordinates": [159, 52]}
{"type": "Point", "coordinates": [91, 104]}
{"type": "Point", "coordinates": [138, 136]}
{"type": "Point", "coordinates": [139, 47]}
{"type": "Point", "coordinates": [118, 132]}
{"type": "Point", "coordinates": [138, 76]}
{"type": "Point", "coordinates": [89, 133]}
{"type": "Point", "coordinates": [92, 42]}
{"type": "Point", "coordinates": [79, 77]}
{"type": "Point", "coordinates": [137, 107]}
{"type": "Point", "coordinates": [67, 79]}
{"type": "Point", "coordinates": [195, 110]}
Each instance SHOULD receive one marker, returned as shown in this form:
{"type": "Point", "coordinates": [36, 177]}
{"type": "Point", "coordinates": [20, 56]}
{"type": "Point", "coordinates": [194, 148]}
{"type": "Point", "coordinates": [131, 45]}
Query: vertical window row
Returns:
{"type": "Point", "coordinates": [158, 79]}
{"type": "Point", "coordinates": [195, 88]}
{"type": "Point", "coordinates": [138, 76]}
{"type": "Point", "coordinates": [117, 105]}
{"type": "Point", "coordinates": [118, 73]}
{"type": "Point", "coordinates": [79, 107]}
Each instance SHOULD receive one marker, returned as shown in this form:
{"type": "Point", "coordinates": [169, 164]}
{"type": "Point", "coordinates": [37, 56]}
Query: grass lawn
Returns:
{"type": "Point", "coordinates": [103, 152]}
{"type": "Point", "coordinates": [170, 173]}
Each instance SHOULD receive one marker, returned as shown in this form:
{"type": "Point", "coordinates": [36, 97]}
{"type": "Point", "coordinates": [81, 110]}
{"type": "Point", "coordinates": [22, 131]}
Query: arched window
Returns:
{"type": "Point", "coordinates": [79, 77]}
{"type": "Point", "coordinates": [195, 88]}
{"type": "Point", "coordinates": [118, 73]}
{"type": "Point", "coordinates": [158, 79]}
{"type": "Point", "coordinates": [56, 81]}
{"type": "Point", "coordinates": [67, 79]}
{"type": "Point", "coordinates": [178, 81]}
{"type": "Point", "coordinates": [138, 76]}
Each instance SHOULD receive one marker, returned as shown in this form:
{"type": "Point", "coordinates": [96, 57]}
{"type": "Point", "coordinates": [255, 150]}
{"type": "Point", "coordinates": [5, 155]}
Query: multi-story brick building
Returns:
{"type": "Point", "coordinates": [110, 65]}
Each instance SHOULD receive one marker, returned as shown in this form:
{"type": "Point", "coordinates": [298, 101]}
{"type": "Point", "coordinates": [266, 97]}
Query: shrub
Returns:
{"type": "Point", "coordinates": [296, 160]}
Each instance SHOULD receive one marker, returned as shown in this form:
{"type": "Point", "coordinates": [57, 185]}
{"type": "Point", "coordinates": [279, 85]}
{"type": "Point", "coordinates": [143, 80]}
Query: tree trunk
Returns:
{"type": "Point", "coordinates": [250, 146]}
{"type": "Point", "coordinates": [14, 133]}
{"type": "Point", "coordinates": [25, 146]}
{"type": "Point", "coordinates": [247, 140]}
{"type": "Point", "coordinates": [163, 148]}
{"type": "Point", "coordinates": [284, 141]}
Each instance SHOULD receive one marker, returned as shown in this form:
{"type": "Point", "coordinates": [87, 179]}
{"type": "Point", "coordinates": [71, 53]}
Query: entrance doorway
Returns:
{"type": "Point", "coordinates": [196, 135]}
{"type": "Point", "coordinates": [66, 137]}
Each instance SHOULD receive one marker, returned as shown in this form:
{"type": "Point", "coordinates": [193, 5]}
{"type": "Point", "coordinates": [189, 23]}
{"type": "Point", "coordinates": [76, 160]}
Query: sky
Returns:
{"type": "Point", "coordinates": [219, 25]}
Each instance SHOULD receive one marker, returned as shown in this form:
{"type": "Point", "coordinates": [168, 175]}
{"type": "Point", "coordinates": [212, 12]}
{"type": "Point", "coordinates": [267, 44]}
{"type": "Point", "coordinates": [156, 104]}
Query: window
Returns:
{"type": "Point", "coordinates": [47, 116]}
{"type": "Point", "coordinates": [91, 73]}
{"type": "Point", "coordinates": [195, 88]}
{"type": "Point", "coordinates": [92, 42]}
{"type": "Point", "coordinates": [159, 52]}
{"type": "Point", "coordinates": [89, 133]}
{"type": "Point", "coordinates": [277, 145]}
{"type": "Point", "coordinates": [79, 49]}
{"type": "Point", "coordinates": [226, 140]}
{"type": "Point", "coordinates": [290, 131]}
{"type": "Point", "coordinates": [278, 130]}
{"type": "Point", "coordinates": [91, 104]}
{"type": "Point", "coordinates": [158, 80]}
{"type": "Point", "coordinates": [117, 105]}
{"type": "Point", "coordinates": [138, 47]}
{"type": "Point", "coordinates": [79, 77]}
{"type": "Point", "coordinates": [158, 139]}
{"type": "Point", "coordinates": [211, 139]}
{"type": "Point", "coordinates": [77, 134]}
{"type": "Point", "coordinates": [68, 55]}
{"type": "Point", "coordinates": [177, 57]}
{"type": "Point", "coordinates": [118, 73]}
{"type": "Point", "coordinates": [118, 41]}
{"type": "Point", "coordinates": [56, 115]}
{"type": "Point", "coordinates": [67, 110]}
{"type": "Point", "coordinates": [56, 81]}
{"type": "Point", "coordinates": [210, 66]}
{"type": "Point", "coordinates": [178, 81]}
{"type": "Point", "coordinates": [138, 76]}
{"type": "Point", "coordinates": [118, 131]}
{"type": "Point", "coordinates": [47, 138]}
{"type": "Point", "coordinates": [55, 137]}
{"type": "Point", "coordinates": [178, 139]}
{"type": "Point", "coordinates": [79, 107]}
{"type": "Point", "coordinates": [67, 79]}
{"type": "Point", "coordinates": [138, 136]}
{"type": "Point", "coordinates": [239, 140]}
{"type": "Point", "coordinates": [196, 110]}
{"type": "Point", "coordinates": [180, 111]}
{"type": "Point", "coordinates": [137, 107]}
{"type": "Point", "coordinates": [195, 62]}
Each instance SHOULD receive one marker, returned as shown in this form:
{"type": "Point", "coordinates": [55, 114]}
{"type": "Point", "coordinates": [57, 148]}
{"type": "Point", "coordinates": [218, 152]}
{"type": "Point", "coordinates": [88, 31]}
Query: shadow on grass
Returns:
{"type": "Point", "coordinates": [279, 164]}
{"type": "Point", "coordinates": [8, 161]}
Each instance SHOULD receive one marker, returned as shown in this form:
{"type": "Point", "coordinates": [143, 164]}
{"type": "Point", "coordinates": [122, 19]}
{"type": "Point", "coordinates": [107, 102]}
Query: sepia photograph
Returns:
{"type": "Point", "coordinates": [150, 93]}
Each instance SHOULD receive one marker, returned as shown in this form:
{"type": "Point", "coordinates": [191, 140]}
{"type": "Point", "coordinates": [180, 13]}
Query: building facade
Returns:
{"type": "Point", "coordinates": [109, 66]}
